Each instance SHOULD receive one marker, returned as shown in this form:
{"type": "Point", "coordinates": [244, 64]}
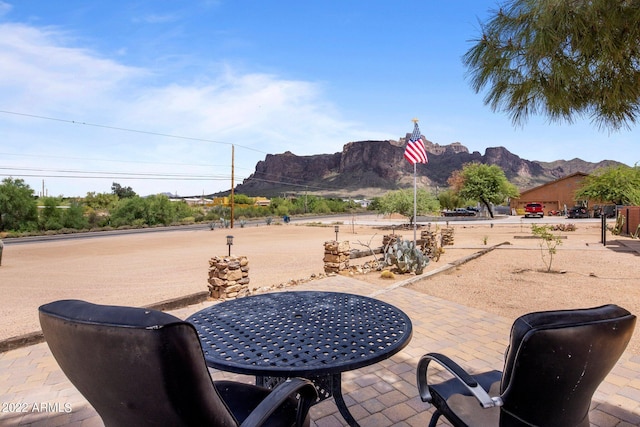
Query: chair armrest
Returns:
{"type": "Point", "coordinates": [458, 373]}
{"type": "Point", "coordinates": [289, 388]}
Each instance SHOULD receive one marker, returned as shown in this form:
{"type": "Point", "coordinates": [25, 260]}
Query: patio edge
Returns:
{"type": "Point", "coordinates": [32, 338]}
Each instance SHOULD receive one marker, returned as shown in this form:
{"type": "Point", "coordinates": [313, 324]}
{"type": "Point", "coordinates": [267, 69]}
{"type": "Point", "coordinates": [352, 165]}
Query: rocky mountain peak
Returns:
{"type": "Point", "coordinates": [368, 168]}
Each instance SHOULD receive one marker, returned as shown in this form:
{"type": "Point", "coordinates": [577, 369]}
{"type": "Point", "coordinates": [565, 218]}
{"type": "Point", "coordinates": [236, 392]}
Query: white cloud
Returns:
{"type": "Point", "coordinates": [41, 74]}
{"type": "Point", "coordinates": [44, 74]}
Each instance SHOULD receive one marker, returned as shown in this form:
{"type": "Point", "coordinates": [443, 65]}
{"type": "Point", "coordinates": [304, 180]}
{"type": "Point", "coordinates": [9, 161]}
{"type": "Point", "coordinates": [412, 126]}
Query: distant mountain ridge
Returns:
{"type": "Point", "coordinates": [369, 168]}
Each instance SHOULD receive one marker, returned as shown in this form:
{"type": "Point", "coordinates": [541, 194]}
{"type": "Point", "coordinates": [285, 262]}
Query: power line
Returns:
{"type": "Point", "coordinates": [300, 183]}
{"type": "Point", "coordinates": [75, 122]}
{"type": "Point", "coordinates": [111, 175]}
{"type": "Point", "coordinates": [293, 185]}
{"type": "Point", "coordinates": [177, 175]}
{"type": "Point", "coordinates": [159, 177]}
{"type": "Point", "coordinates": [84, 159]}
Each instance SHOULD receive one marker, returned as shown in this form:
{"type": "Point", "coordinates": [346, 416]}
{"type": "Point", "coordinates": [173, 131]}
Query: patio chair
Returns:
{"type": "Point", "coordinates": [553, 365]}
{"type": "Point", "coordinates": [140, 367]}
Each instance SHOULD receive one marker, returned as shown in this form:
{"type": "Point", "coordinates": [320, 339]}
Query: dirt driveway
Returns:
{"type": "Point", "coordinates": [143, 269]}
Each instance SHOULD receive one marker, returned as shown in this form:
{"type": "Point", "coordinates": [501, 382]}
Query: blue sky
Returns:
{"type": "Point", "coordinates": [153, 94]}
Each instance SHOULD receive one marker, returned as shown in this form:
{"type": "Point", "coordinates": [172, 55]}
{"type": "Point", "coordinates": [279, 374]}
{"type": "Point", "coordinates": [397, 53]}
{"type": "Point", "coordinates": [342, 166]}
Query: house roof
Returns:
{"type": "Point", "coordinates": [576, 174]}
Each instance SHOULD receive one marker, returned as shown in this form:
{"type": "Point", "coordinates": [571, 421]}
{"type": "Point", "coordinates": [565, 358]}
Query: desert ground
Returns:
{"type": "Point", "coordinates": [509, 278]}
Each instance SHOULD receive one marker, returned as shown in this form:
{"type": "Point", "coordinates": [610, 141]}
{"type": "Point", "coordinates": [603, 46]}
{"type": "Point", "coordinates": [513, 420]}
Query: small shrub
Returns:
{"type": "Point", "coordinates": [387, 274]}
{"type": "Point", "coordinates": [549, 241]}
{"type": "Point", "coordinates": [564, 227]}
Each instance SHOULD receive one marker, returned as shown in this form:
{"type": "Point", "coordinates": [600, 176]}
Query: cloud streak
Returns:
{"type": "Point", "coordinates": [44, 74]}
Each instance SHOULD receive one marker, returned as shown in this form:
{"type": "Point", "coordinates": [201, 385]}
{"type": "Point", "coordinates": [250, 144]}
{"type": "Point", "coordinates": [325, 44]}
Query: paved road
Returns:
{"type": "Point", "coordinates": [342, 220]}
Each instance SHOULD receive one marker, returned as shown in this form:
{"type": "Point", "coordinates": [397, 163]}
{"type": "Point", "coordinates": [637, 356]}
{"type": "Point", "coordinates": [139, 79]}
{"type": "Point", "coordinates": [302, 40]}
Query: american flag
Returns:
{"type": "Point", "coordinates": [415, 151]}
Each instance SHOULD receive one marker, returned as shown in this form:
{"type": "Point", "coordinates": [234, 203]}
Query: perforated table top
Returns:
{"type": "Point", "coordinates": [300, 333]}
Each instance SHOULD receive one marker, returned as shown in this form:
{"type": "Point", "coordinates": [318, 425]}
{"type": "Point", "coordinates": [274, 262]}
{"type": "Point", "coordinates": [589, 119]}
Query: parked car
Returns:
{"type": "Point", "coordinates": [459, 212]}
{"type": "Point", "coordinates": [609, 211]}
{"type": "Point", "coordinates": [578, 212]}
{"type": "Point", "coordinates": [533, 209]}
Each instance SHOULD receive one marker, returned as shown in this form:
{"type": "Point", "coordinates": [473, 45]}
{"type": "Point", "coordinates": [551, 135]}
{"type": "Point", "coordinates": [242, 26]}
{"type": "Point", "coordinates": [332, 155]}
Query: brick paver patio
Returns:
{"type": "Point", "coordinates": [34, 392]}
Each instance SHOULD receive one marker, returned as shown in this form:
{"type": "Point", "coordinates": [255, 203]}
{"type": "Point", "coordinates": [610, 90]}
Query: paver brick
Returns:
{"type": "Point", "coordinates": [384, 394]}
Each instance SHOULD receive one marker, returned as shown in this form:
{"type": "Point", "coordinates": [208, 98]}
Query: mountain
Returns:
{"type": "Point", "coordinates": [370, 168]}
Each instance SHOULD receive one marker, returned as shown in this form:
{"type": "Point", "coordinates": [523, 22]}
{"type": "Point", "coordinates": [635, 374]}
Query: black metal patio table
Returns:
{"type": "Point", "coordinates": [315, 335]}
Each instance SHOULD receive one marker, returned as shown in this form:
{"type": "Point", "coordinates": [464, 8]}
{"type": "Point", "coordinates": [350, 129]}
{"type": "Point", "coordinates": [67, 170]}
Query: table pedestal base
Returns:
{"type": "Point", "coordinates": [326, 385]}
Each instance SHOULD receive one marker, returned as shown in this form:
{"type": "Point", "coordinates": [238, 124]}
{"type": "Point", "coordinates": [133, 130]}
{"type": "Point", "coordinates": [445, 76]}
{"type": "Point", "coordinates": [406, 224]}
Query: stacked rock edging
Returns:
{"type": "Point", "coordinates": [447, 238]}
{"type": "Point", "coordinates": [336, 256]}
{"type": "Point", "coordinates": [228, 277]}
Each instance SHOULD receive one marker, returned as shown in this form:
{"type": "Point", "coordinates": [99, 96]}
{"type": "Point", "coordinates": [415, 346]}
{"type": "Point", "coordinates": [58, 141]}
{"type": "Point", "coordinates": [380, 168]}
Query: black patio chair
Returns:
{"type": "Point", "coordinates": [553, 365]}
{"type": "Point", "coordinates": [140, 367]}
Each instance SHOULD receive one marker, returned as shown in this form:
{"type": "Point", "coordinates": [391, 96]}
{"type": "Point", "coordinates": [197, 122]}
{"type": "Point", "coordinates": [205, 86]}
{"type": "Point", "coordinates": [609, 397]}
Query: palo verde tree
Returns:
{"type": "Point", "coordinates": [18, 208]}
{"type": "Point", "coordinates": [484, 183]}
{"type": "Point", "coordinates": [51, 214]}
{"type": "Point", "coordinates": [401, 202]}
{"type": "Point", "coordinates": [122, 192]}
{"type": "Point", "coordinates": [619, 185]}
{"type": "Point", "coordinates": [562, 58]}
{"type": "Point", "coordinates": [102, 202]}
{"type": "Point", "coordinates": [450, 199]}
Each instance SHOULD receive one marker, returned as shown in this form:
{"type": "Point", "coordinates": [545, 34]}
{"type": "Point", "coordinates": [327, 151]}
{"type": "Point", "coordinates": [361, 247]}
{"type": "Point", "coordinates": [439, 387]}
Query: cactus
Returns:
{"type": "Point", "coordinates": [405, 257]}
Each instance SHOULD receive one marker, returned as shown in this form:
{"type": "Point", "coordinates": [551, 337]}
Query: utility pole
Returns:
{"type": "Point", "coordinates": [232, 183]}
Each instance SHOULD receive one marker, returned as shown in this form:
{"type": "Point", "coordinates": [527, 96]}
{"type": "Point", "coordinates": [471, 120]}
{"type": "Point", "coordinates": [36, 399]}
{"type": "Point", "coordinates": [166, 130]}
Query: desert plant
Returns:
{"type": "Point", "coordinates": [549, 241]}
{"type": "Point", "coordinates": [386, 274]}
{"type": "Point", "coordinates": [375, 262]}
{"type": "Point", "coordinates": [405, 257]}
{"type": "Point", "coordinates": [564, 227]}
{"type": "Point", "coordinates": [617, 228]}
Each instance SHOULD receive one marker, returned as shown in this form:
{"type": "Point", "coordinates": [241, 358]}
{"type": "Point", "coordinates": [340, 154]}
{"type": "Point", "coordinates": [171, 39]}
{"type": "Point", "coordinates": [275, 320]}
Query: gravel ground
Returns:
{"type": "Point", "coordinates": [512, 280]}
{"type": "Point", "coordinates": [143, 269]}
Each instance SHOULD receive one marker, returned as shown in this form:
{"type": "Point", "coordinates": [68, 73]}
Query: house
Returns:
{"type": "Point", "coordinates": [262, 201]}
{"type": "Point", "coordinates": [196, 201]}
{"type": "Point", "coordinates": [555, 195]}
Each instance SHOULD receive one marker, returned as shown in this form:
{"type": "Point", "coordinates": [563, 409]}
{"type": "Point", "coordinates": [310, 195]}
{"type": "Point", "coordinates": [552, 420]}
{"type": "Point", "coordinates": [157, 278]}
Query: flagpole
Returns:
{"type": "Point", "coordinates": [415, 193]}
{"type": "Point", "coordinates": [415, 152]}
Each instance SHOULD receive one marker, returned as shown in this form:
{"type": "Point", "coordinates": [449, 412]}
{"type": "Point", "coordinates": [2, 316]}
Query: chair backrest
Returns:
{"type": "Point", "coordinates": [555, 362]}
{"type": "Point", "coordinates": [137, 367]}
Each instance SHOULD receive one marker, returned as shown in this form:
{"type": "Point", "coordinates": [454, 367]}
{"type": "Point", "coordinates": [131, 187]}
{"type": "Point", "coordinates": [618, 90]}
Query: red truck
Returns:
{"type": "Point", "coordinates": [533, 209]}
